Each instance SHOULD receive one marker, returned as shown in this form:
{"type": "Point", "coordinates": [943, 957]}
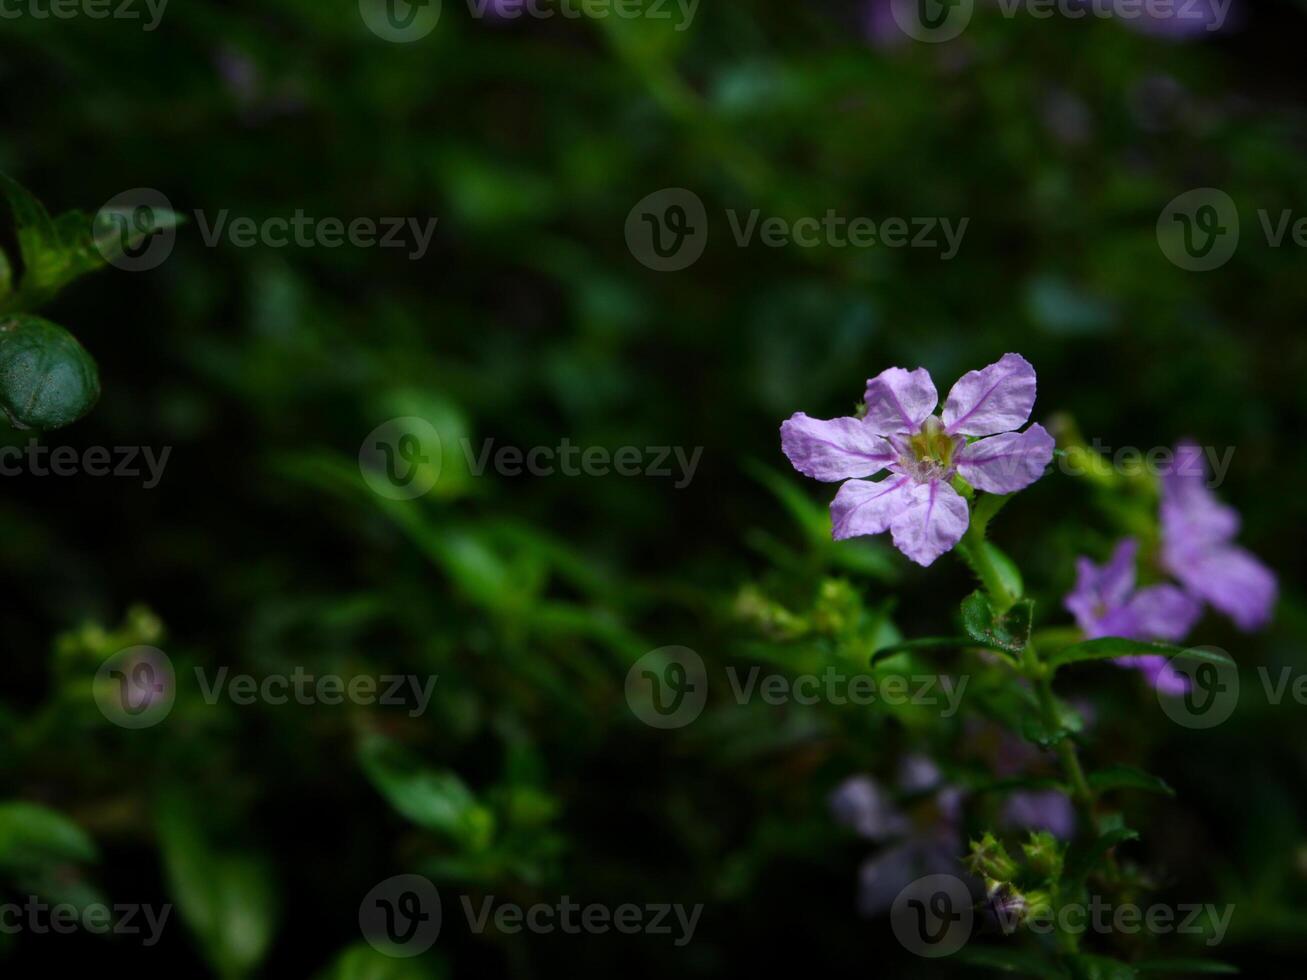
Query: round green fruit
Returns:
{"type": "Point", "coordinates": [47, 380]}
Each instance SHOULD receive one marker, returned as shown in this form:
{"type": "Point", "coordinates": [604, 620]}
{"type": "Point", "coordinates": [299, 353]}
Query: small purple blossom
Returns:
{"type": "Point", "coordinates": [1197, 535]}
{"type": "Point", "coordinates": [924, 838]}
{"type": "Point", "coordinates": [922, 452]}
{"type": "Point", "coordinates": [1105, 602]}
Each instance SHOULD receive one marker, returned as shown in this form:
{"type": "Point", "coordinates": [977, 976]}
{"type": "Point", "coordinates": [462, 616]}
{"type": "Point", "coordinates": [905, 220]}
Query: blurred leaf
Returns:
{"type": "Point", "coordinates": [1185, 967]}
{"type": "Point", "coordinates": [227, 899]}
{"type": "Point", "coordinates": [362, 962]}
{"type": "Point", "coordinates": [433, 799]}
{"type": "Point", "coordinates": [32, 836]}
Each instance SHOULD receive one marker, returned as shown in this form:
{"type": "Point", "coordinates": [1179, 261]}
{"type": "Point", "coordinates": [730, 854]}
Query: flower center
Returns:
{"type": "Point", "coordinates": [931, 451]}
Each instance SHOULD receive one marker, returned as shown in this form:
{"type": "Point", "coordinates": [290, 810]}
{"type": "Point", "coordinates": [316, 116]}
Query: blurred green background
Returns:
{"type": "Point", "coordinates": [528, 321]}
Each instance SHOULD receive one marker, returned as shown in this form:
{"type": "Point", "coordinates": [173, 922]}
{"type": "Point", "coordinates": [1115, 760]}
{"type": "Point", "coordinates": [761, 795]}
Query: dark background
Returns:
{"type": "Point", "coordinates": [528, 321]}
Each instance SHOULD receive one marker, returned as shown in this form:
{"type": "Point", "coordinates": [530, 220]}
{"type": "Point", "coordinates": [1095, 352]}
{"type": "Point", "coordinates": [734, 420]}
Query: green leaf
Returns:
{"type": "Point", "coordinates": [1082, 859]}
{"type": "Point", "coordinates": [1128, 777]}
{"type": "Point", "coordinates": [1085, 967]}
{"type": "Point", "coordinates": [1110, 647]}
{"type": "Point", "coordinates": [1009, 631]}
{"type": "Point", "coordinates": [55, 251]}
{"type": "Point", "coordinates": [362, 962]}
{"type": "Point", "coordinates": [1185, 966]}
{"type": "Point", "coordinates": [227, 899]}
{"type": "Point", "coordinates": [32, 836]}
{"type": "Point", "coordinates": [1008, 573]}
{"type": "Point", "coordinates": [38, 239]}
{"type": "Point", "coordinates": [925, 643]}
{"type": "Point", "coordinates": [437, 800]}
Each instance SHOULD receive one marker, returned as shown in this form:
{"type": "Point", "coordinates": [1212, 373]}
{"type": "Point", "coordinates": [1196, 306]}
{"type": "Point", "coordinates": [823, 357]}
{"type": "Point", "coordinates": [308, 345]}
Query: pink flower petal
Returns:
{"type": "Point", "coordinates": [994, 399]}
{"type": "Point", "coordinates": [900, 400]}
{"type": "Point", "coordinates": [932, 522]}
{"type": "Point", "coordinates": [862, 507]}
{"type": "Point", "coordinates": [834, 449]}
{"type": "Point", "coordinates": [1007, 462]}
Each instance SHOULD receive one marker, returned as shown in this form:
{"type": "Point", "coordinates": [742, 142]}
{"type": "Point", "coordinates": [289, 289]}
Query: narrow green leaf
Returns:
{"type": "Point", "coordinates": [1110, 647]}
{"type": "Point", "coordinates": [1128, 777]}
{"type": "Point", "coordinates": [926, 643]}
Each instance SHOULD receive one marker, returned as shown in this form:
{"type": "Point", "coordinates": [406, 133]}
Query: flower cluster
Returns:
{"type": "Point", "coordinates": [1197, 533]}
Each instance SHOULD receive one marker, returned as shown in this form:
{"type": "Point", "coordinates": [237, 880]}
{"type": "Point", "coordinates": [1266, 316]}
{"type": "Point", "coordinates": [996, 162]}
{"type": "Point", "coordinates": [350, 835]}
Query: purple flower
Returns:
{"type": "Point", "coordinates": [1106, 603]}
{"type": "Point", "coordinates": [926, 836]}
{"type": "Point", "coordinates": [1197, 531]}
{"type": "Point", "coordinates": [922, 452]}
{"type": "Point", "coordinates": [1041, 810]}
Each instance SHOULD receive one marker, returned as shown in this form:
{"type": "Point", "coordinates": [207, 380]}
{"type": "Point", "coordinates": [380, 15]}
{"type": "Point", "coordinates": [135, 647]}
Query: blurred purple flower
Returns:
{"type": "Point", "coordinates": [922, 452]}
{"type": "Point", "coordinates": [1106, 603]}
{"type": "Point", "coordinates": [925, 838]}
{"type": "Point", "coordinates": [1047, 810]}
{"type": "Point", "coordinates": [1197, 535]}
